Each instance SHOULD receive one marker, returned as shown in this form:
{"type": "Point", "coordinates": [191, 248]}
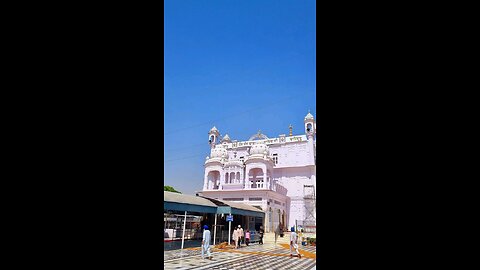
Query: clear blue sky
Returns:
{"type": "Point", "coordinates": [239, 65]}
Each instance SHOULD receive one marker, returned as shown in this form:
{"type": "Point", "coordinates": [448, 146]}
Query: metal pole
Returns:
{"type": "Point", "coordinates": [184, 224]}
{"type": "Point", "coordinates": [229, 231]}
{"type": "Point", "coordinates": [215, 230]}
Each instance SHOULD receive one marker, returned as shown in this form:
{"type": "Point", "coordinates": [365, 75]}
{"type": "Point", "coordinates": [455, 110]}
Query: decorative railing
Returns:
{"type": "Point", "coordinates": [233, 186]}
{"type": "Point", "coordinates": [279, 188]}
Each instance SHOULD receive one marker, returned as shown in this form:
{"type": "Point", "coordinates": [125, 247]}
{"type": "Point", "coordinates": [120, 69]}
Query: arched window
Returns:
{"type": "Point", "coordinates": [309, 127]}
{"type": "Point", "coordinates": [255, 175]}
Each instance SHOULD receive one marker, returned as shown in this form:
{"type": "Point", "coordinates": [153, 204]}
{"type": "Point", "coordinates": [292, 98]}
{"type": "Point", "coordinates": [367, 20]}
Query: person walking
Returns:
{"type": "Point", "coordinates": [234, 237]}
{"type": "Point", "coordinates": [293, 243]}
{"type": "Point", "coordinates": [241, 235]}
{"type": "Point", "coordinates": [277, 233]}
{"type": "Point", "coordinates": [300, 236]}
{"type": "Point", "coordinates": [247, 237]}
{"type": "Point", "coordinates": [206, 242]}
{"type": "Point", "coordinates": [261, 235]}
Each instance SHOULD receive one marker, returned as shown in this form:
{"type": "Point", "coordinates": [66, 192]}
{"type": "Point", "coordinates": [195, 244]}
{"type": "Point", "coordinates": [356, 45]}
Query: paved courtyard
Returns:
{"type": "Point", "coordinates": [267, 256]}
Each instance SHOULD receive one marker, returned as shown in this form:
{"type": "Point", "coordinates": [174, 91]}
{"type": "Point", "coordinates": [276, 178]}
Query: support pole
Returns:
{"type": "Point", "coordinates": [229, 231]}
{"type": "Point", "coordinates": [215, 230]}
{"type": "Point", "coordinates": [184, 224]}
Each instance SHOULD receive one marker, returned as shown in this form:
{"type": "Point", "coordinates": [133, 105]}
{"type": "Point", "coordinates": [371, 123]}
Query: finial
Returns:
{"type": "Point", "coordinates": [290, 128]}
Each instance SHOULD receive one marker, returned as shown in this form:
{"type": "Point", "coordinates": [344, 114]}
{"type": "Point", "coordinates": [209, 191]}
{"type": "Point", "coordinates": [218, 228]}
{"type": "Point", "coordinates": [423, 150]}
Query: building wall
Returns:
{"type": "Point", "coordinates": [289, 165]}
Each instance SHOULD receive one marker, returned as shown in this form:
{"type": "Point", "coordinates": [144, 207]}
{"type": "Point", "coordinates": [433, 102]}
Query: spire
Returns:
{"type": "Point", "coordinates": [309, 116]}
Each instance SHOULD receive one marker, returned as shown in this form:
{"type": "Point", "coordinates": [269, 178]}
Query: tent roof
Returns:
{"type": "Point", "coordinates": [186, 199]}
{"type": "Point", "coordinates": [242, 206]}
{"type": "Point", "coordinates": [182, 202]}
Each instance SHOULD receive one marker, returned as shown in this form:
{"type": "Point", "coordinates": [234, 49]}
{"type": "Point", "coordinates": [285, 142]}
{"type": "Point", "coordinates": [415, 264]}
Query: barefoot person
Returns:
{"type": "Point", "coordinates": [247, 237]}
{"type": "Point", "coordinates": [261, 232]}
{"type": "Point", "coordinates": [241, 235]}
{"type": "Point", "coordinates": [293, 243]}
{"type": "Point", "coordinates": [277, 233]}
{"type": "Point", "coordinates": [206, 242]}
{"type": "Point", "coordinates": [235, 237]}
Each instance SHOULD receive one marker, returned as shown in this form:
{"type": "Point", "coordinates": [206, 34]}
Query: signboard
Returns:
{"type": "Point", "coordinates": [291, 139]}
{"type": "Point", "coordinates": [229, 218]}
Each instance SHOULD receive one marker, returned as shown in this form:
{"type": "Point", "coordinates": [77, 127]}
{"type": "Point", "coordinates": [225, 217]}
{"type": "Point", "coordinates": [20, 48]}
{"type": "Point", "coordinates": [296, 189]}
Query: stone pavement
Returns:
{"type": "Point", "coordinates": [267, 256]}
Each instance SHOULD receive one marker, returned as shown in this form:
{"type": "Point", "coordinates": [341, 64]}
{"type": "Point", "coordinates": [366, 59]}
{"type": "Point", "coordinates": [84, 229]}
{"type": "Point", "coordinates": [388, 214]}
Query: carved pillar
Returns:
{"type": "Point", "coordinates": [221, 180]}
{"type": "Point", "coordinates": [265, 177]}
{"type": "Point", "coordinates": [247, 178]}
{"type": "Point", "coordinates": [205, 181]}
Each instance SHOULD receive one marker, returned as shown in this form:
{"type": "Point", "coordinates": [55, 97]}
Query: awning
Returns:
{"type": "Point", "coordinates": [181, 202]}
{"type": "Point", "coordinates": [225, 207]}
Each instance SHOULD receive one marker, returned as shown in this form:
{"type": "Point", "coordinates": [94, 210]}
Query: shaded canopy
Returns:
{"type": "Point", "coordinates": [189, 203]}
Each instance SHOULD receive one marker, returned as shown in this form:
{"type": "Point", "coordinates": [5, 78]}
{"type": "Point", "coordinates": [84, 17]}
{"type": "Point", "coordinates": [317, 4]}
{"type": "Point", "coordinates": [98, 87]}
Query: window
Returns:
{"type": "Point", "coordinates": [233, 199]}
{"type": "Point", "coordinates": [241, 159]}
{"type": "Point", "coordinates": [254, 199]}
{"type": "Point", "coordinates": [275, 158]}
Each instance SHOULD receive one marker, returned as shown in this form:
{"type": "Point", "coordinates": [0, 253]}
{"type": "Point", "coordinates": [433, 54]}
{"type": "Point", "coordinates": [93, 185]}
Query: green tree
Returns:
{"type": "Point", "coordinates": [171, 189]}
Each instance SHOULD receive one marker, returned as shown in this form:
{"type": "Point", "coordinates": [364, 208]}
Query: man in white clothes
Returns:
{"type": "Point", "coordinates": [241, 235]}
{"type": "Point", "coordinates": [206, 242]}
{"type": "Point", "coordinates": [235, 237]}
{"type": "Point", "coordinates": [293, 243]}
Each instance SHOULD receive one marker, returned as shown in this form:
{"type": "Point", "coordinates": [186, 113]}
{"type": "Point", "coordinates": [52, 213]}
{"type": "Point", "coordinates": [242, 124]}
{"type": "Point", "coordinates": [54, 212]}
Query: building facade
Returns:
{"type": "Point", "coordinates": [276, 175]}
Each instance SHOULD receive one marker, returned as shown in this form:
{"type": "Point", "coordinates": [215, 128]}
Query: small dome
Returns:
{"type": "Point", "coordinates": [234, 162]}
{"type": "Point", "coordinates": [258, 136]}
{"type": "Point", "coordinates": [259, 149]}
{"type": "Point", "coordinates": [226, 138]}
{"type": "Point", "coordinates": [309, 116]}
{"type": "Point", "coordinates": [218, 152]}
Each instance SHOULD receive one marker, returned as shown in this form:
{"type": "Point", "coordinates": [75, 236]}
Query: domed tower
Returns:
{"type": "Point", "coordinates": [310, 131]}
{"type": "Point", "coordinates": [259, 168]}
{"type": "Point", "coordinates": [213, 135]}
{"type": "Point", "coordinates": [214, 168]}
{"type": "Point", "coordinates": [309, 125]}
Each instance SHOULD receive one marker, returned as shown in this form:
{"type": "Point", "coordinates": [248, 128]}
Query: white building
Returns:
{"type": "Point", "coordinates": [274, 174]}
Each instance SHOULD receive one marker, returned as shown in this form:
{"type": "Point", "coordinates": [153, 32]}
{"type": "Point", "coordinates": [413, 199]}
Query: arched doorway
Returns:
{"type": "Point", "coordinates": [213, 179]}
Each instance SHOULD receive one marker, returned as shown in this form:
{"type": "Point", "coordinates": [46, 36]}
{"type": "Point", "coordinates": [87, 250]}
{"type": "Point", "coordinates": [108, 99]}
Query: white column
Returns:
{"type": "Point", "coordinates": [269, 179]}
{"type": "Point", "coordinates": [183, 235]}
{"type": "Point", "coordinates": [221, 180]}
{"type": "Point", "coordinates": [215, 230]}
{"type": "Point", "coordinates": [205, 181]}
{"type": "Point", "coordinates": [229, 231]}
{"type": "Point", "coordinates": [242, 177]}
{"type": "Point", "coordinates": [265, 177]}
